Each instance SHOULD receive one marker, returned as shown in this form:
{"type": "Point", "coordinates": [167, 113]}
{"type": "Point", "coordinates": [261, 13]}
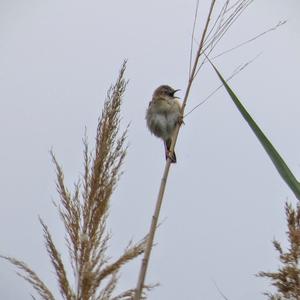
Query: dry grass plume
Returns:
{"type": "Point", "coordinates": [286, 279]}
{"type": "Point", "coordinates": [84, 213]}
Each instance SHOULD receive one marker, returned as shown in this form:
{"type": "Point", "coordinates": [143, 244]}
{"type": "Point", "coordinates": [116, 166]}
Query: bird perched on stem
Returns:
{"type": "Point", "coordinates": [162, 115]}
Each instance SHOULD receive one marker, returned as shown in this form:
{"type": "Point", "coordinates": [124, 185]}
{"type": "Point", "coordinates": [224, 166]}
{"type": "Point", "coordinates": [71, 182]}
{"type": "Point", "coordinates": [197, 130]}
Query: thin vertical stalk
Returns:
{"type": "Point", "coordinates": [155, 217]}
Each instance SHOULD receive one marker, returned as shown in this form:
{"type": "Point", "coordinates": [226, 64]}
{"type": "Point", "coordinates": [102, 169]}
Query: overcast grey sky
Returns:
{"type": "Point", "coordinates": [224, 200]}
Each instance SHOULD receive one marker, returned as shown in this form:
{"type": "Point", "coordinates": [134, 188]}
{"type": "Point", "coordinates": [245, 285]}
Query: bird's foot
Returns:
{"type": "Point", "coordinates": [171, 156]}
{"type": "Point", "coordinates": [180, 120]}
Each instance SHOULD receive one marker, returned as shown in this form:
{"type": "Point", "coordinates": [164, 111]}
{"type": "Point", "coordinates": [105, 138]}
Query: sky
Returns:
{"type": "Point", "coordinates": [224, 201]}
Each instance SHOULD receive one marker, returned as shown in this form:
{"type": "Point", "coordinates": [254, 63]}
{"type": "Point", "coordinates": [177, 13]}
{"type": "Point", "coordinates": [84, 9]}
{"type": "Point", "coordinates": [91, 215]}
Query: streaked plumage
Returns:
{"type": "Point", "coordinates": [163, 114]}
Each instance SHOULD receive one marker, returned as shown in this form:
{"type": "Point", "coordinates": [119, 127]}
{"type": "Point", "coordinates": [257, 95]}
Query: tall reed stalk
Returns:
{"type": "Point", "coordinates": [211, 35]}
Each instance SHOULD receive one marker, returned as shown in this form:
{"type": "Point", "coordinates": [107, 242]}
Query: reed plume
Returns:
{"type": "Point", "coordinates": [286, 279]}
{"type": "Point", "coordinates": [84, 212]}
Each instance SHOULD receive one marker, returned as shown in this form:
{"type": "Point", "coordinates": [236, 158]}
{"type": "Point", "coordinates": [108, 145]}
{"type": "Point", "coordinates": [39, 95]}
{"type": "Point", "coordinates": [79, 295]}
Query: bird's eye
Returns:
{"type": "Point", "coordinates": [167, 92]}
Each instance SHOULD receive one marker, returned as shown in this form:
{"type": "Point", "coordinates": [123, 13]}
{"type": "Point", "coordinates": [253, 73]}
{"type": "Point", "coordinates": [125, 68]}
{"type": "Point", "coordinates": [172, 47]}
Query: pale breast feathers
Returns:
{"type": "Point", "coordinates": [163, 117]}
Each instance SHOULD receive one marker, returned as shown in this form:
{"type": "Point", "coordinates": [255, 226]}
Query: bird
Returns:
{"type": "Point", "coordinates": [162, 116]}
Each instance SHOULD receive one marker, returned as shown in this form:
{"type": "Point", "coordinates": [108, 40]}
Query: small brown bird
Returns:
{"type": "Point", "coordinates": [162, 115]}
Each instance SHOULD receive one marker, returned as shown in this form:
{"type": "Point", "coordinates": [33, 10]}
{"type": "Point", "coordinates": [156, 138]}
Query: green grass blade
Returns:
{"type": "Point", "coordinates": [277, 160]}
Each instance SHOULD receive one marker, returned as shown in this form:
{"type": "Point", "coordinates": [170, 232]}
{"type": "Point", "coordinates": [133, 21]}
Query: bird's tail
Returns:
{"type": "Point", "coordinates": [170, 154]}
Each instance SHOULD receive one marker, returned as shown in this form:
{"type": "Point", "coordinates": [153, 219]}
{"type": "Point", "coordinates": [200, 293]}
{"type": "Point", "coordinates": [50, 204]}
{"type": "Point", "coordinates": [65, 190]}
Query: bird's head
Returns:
{"type": "Point", "coordinates": [165, 92]}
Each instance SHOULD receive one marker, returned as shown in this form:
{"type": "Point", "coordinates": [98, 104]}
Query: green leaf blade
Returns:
{"type": "Point", "coordinates": [277, 160]}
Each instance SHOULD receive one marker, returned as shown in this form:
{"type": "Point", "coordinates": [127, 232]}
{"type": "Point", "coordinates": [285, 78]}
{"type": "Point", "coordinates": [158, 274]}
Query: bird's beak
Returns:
{"type": "Point", "coordinates": [175, 92]}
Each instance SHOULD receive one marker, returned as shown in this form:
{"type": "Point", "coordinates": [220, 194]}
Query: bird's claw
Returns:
{"type": "Point", "coordinates": [171, 156]}
{"type": "Point", "coordinates": [180, 120]}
